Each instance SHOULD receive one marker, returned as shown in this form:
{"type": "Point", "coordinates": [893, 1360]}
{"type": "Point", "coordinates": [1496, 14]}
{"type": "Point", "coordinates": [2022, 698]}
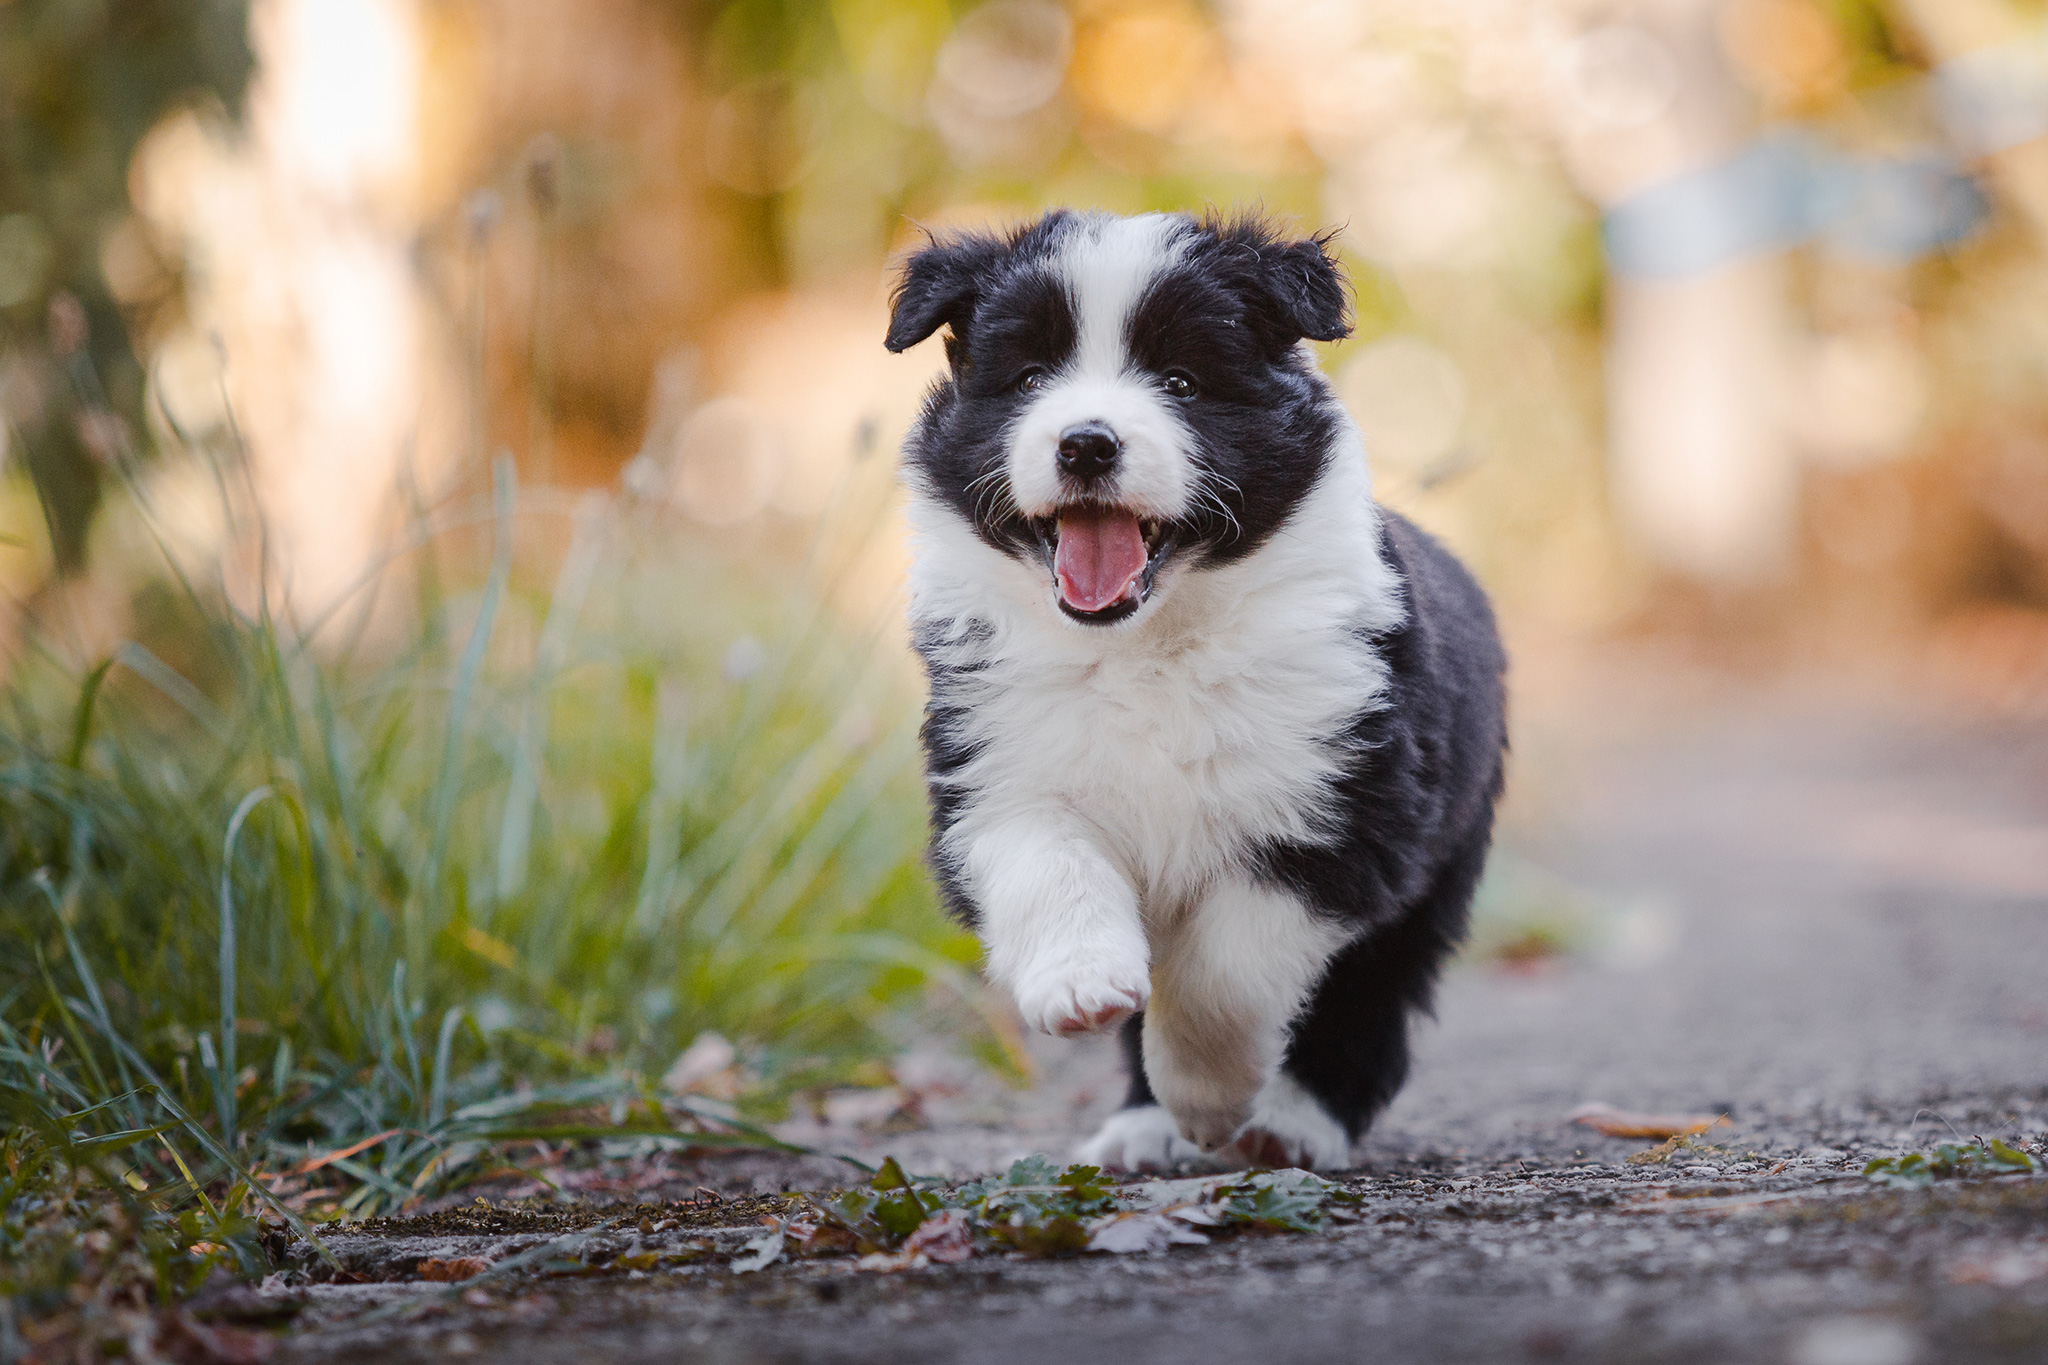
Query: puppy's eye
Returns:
{"type": "Point", "coordinates": [1179, 384]}
{"type": "Point", "coordinates": [1031, 380]}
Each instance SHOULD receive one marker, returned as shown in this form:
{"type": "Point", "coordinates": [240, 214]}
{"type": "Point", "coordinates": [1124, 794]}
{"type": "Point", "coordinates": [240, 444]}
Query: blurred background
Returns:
{"type": "Point", "coordinates": [1710, 315]}
{"type": "Point", "coordinates": [461, 428]}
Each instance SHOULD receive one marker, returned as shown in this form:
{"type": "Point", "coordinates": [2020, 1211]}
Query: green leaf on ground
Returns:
{"type": "Point", "coordinates": [1950, 1161]}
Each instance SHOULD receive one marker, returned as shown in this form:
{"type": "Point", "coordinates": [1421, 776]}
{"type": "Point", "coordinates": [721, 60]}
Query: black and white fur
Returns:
{"type": "Point", "coordinates": [1243, 811]}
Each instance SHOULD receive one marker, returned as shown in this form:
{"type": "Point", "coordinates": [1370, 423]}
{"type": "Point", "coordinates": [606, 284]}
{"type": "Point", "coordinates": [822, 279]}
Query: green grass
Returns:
{"type": "Point", "coordinates": [472, 859]}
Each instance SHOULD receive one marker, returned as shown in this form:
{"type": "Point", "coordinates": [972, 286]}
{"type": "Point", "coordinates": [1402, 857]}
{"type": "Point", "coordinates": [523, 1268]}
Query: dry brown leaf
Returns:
{"type": "Point", "coordinates": [1608, 1121]}
{"type": "Point", "coordinates": [943, 1237]}
{"type": "Point", "coordinates": [453, 1269]}
{"type": "Point", "coordinates": [315, 1163]}
{"type": "Point", "coordinates": [822, 1239]}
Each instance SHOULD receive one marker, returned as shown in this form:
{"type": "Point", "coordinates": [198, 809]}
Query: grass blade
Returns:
{"type": "Point", "coordinates": [81, 721]}
{"type": "Point", "coordinates": [506, 495]}
{"type": "Point", "coordinates": [572, 585]}
{"type": "Point", "coordinates": [225, 1083]}
{"type": "Point", "coordinates": [444, 1046]}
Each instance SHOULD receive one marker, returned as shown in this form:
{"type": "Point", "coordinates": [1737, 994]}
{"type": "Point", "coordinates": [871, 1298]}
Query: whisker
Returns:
{"type": "Point", "coordinates": [1210, 494]}
{"type": "Point", "coordinates": [988, 495]}
{"type": "Point", "coordinates": [984, 480]}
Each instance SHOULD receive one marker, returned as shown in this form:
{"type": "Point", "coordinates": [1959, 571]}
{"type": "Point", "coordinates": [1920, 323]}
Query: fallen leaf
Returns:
{"type": "Point", "coordinates": [944, 1237]}
{"type": "Point", "coordinates": [823, 1239]}
{"type": "Point", "coordinates": [1200, 1215]}
{"type": "Point", "coordinates": [1608, 1121]}
{"type": "Point", "coordinates": [1125, 1233]}
{"type": "Point", "coordinates": [315, 1163]}
{"type": "Point", "coordinates": [761, 1251]}
{"type": "Point", "coordinates": [452, 1269]}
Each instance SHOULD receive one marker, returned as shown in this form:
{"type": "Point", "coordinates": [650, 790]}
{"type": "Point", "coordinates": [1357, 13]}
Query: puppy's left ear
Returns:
{"type": "Point", "coordinates": [939, 287]}
{"type": "Point", "coordinates": [1307, 289]}
{"type": "Point", "coordinates": [1291, 288]}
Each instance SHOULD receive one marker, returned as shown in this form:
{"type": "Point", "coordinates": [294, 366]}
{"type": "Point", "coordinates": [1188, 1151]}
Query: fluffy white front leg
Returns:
{"type": "Point", "coordinates": [1061, 927]}
{"type": "Point", "coordinates": [1231, 977]}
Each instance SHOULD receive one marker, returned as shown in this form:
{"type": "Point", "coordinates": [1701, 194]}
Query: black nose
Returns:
{"type": "Point", "coordinates": [1089, 450]}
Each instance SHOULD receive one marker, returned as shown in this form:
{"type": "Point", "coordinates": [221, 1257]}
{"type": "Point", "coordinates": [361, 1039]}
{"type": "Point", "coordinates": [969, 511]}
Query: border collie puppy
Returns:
{"type": "Point", "coordinates": [1214, 741]}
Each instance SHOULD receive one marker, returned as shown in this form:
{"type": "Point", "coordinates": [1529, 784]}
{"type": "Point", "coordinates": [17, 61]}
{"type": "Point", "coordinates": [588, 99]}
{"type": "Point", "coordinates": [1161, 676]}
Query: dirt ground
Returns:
{"type": "Point", "coordinates": [1829, 921]}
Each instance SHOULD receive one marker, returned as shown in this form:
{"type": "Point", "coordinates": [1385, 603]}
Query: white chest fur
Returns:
{"type": "Point", "coordinates": [1209, 725]}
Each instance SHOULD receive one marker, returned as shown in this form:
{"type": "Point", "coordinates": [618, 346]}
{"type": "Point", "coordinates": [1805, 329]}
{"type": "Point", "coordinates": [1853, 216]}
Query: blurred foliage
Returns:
{"type": "Point", "coordinates": [1525, 917]}
{"type": "Point", "coordinates": [835, 120]}
{"type": "Point", "coordinates": [323, 917]}
{"type": "Point", "coordinates": [81, 83]}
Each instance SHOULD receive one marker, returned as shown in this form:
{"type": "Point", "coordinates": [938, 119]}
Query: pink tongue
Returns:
{"type": "Point", "coordinates": [1101, 552]}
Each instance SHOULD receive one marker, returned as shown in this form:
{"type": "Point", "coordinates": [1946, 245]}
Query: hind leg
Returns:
{"type": "Point", "coordinates": [1347, 1054]}
{"type": "Point", "coordinates": [1346, 1057]}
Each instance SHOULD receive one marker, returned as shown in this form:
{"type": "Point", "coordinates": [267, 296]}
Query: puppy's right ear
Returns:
{"type": "Point", "coordinates": [939, 287]}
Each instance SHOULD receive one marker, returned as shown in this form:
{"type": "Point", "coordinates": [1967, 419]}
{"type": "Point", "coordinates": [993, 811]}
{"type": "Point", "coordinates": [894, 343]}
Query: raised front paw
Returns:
{"type": "Point", "coordinates": [1070, 998]}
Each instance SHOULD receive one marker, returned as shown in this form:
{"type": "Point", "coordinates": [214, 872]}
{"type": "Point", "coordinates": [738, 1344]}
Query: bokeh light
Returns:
{"type": "Point", "coordinates": [1718, 295]}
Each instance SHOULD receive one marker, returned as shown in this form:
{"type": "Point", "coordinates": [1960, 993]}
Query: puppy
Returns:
{"type": "Point", "coordinates": [1214, 741]}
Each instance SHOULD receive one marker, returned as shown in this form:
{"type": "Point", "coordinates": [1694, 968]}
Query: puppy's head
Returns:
{"type": "Point", "coordinates": [1125, 394]}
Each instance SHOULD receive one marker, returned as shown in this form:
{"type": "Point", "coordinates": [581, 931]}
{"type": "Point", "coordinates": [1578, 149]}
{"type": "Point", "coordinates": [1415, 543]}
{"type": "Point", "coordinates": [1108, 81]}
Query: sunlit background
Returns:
{"type": "Point", "coordinates": [448, 448]}
{"type": "Point", "coordinates": [1717, 315]}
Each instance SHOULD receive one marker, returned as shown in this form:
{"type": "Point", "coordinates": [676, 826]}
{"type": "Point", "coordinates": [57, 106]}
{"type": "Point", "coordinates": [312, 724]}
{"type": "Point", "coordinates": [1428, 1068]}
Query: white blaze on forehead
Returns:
{"type": "Point", "coordinates": [1108, 264]}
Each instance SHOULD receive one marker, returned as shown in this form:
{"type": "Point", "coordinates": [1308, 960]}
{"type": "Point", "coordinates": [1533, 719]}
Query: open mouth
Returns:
{"type": "Point", "coordinates": [1104, 559]}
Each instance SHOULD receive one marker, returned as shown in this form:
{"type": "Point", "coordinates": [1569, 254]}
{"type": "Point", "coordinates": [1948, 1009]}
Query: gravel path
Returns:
{"type": "Point", "coordinates": [1831, 924]}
